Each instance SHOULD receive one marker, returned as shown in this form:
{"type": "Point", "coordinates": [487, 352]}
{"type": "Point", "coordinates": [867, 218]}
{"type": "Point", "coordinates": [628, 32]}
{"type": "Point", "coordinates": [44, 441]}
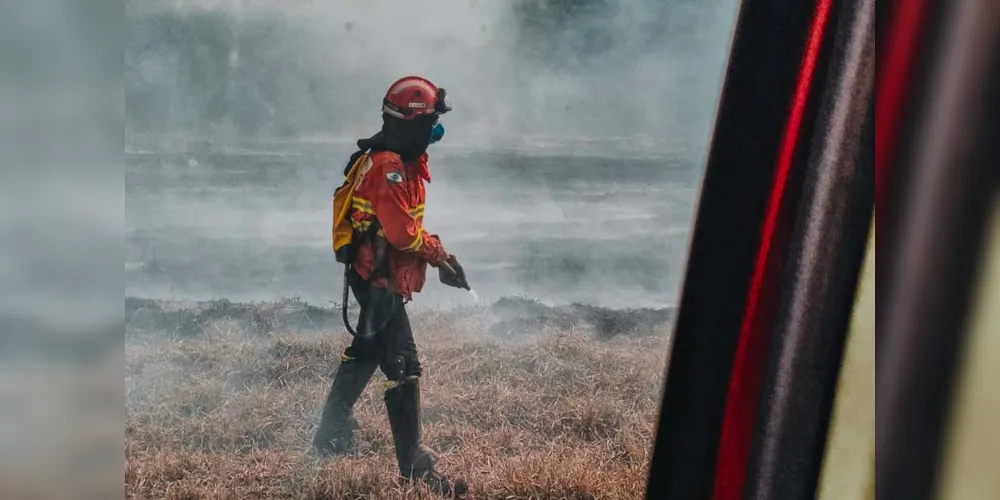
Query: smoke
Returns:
{"type": "Point", "coordinates": [578, 127]}
{"type": "Point", "coordinates": [567, 175]}
{"type": "Point", "coordinates": [540, 69]}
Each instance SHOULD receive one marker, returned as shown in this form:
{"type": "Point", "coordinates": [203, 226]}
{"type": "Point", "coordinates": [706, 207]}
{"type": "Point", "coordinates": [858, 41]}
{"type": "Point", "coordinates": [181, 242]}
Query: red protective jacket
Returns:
{"type": "Point", "coordinates": [393, 192]}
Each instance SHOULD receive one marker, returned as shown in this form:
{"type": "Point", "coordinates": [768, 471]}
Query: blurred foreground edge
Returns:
{"type": "Point", "coordinates": [950, 156]}
{"type": "Point", "coordinates": [793, 187]}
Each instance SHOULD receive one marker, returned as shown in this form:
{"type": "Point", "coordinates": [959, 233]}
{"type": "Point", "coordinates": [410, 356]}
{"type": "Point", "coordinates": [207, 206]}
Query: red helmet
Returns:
{"type": "Point", "coordinates": [413, 96]}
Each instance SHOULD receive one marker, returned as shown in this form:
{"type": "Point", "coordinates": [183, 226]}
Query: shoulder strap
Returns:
{"type": "Point", "coordinates": [354, 159]}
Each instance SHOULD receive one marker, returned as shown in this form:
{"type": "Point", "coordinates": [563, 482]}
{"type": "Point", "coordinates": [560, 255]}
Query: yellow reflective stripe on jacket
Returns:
{"type": "Point", "coordinates": [362, 205]}
{"type": "Point", "coordinates": [418, 241]}
{"type": "Point", "coordinates": [361, 225]}
{"type": "Point", "coordinates": [365, 206]}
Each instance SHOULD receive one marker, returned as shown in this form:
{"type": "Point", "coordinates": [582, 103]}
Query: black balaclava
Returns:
{"type": "Point", "coordinates": [408, 139]}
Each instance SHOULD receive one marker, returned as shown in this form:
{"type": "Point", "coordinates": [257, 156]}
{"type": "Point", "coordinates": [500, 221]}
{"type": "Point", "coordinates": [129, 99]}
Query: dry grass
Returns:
{"type": "Point", "coordinates": [229, 412]}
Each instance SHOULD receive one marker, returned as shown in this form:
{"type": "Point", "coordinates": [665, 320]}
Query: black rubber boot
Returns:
{"type": "Point", "coordinates": [335, 434]}
{"type": "Point", "coordinates": [416, 460]}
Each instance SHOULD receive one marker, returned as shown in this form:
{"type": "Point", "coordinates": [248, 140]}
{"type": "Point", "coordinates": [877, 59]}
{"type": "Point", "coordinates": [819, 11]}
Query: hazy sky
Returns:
{"type": "Point", "coordinates": [514, 70]}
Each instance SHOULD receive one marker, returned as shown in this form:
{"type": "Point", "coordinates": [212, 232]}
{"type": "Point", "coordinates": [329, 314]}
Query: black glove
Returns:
{"type": "Point", "coordinates": [451, 274]}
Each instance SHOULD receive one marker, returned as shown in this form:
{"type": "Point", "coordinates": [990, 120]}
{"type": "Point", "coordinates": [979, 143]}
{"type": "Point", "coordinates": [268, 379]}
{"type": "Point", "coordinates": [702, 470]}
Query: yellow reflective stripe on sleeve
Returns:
{"type": "Point", "coordinates": [417, 242]}
{"type": "Point", "coordinates": [345, 357]}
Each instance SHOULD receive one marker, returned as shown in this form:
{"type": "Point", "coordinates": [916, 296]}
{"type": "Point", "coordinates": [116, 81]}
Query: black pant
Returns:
{"type": "Point", "coordinates": [384, 333]}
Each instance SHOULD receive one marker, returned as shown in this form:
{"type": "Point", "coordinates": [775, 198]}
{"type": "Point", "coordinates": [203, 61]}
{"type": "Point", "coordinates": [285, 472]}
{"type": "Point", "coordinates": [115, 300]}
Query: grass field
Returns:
{"type": "Point", "coordinates": [222, 400]}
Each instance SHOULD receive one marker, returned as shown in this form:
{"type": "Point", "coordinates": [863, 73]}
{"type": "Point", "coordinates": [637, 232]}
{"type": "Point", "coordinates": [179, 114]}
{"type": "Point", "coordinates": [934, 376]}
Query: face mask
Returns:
{"type": "Point", "coordinates": [437, 133]}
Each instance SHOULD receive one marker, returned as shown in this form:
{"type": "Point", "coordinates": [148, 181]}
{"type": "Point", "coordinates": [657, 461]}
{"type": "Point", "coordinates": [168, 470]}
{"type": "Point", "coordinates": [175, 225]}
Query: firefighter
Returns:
{"type": "Point", "coordinates": [386, 263]}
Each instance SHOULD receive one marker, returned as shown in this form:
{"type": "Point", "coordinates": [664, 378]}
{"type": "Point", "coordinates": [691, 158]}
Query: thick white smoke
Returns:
{"type": "Point", "coordinates": [644, 70]}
